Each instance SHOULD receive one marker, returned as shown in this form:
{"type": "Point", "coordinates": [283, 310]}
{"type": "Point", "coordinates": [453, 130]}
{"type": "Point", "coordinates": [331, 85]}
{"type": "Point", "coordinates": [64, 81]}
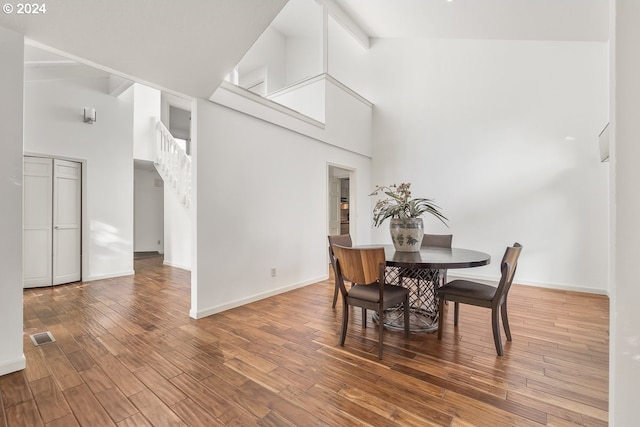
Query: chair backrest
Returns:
{"type": "Point", "coordinates": [338, 239]}
{"type": "Point", "coordinates": [437, 240]}
{"type": "Point", "coordinates": [358, 265]}
{"type": "Point", "coordinates": [508, 267]}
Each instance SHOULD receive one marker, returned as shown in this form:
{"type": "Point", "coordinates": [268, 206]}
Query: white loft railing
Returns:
{"type": "Point", "coordinates": [173, 163]}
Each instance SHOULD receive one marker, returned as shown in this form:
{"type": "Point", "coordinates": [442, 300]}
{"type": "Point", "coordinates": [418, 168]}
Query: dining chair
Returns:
{"type": "Point", "coordinates": [481, 295]}
{"type": "Point", "coordinates": [438, 241]}
{"type": "Point", "coordinates": [434, 241]}
{"type": "Point", "coordinates": [342, 240]}
{"type": "Point", "coordinates": [364, 267]}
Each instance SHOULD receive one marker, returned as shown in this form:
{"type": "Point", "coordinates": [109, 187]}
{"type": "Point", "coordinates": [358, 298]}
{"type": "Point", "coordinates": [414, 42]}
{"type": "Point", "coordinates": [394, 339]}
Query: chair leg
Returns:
{"type": "Point", "coordinates": [380, 330]}
{"type": "Point", "coordinates": [407, 311]}
{"type": "Point", "coordinates": [505, 320]}
{"type": "Point", "coordinates": [456, 311]}
{"type": "Point", "coordinates": [345, 320]}
{"type": "Point", "coordinates": [335, 294]}
{"type": "Point", "coordinates": [443, 281]}
{"type": "Point", "coordinates": [495, 325]}
{"type": "Point", "coordinates": [440, 317]}
{"type": "Point", "coordinates": [364, 318]}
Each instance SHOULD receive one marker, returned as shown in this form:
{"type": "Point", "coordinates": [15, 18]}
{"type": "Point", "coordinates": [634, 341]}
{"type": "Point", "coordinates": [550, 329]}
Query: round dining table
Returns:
{"type": "Point", "coordinates": [422, 272]}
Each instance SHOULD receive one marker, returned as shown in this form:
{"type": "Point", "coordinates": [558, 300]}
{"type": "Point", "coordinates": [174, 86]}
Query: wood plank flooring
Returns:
{"type": "Point", "coordinates": [127, 354]}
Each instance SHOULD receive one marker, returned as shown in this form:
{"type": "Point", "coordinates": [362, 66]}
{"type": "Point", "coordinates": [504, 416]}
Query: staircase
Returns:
{"type": "Point", "coordinates": [173, 163]}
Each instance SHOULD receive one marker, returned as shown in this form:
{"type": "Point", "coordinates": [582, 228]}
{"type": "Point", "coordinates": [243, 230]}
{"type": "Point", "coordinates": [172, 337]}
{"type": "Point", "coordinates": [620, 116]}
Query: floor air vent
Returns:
{"type": "Point", "coordinates": [42, 338]}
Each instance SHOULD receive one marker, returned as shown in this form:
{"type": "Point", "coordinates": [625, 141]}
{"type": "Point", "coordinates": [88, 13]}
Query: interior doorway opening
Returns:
{"type": "Point", "coordinates": [340, 203]}
{"type": "Point", "coordinates": [148, 210]}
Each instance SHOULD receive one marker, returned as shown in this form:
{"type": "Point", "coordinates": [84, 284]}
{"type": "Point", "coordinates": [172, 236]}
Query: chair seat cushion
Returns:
{"type": "Point", "coordinates": [467, 288]}
{"type": "Point", "coordinates": [371, 293]}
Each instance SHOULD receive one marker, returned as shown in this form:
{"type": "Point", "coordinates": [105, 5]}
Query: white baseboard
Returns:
{"type": "Point", "coordinates": [13, 366]}
{"type": "Point", "coordinates": [490, 280]}
{"type": "Point", "coordinates": [237, 303]}
{"type": "Point", "coordinates": [108, 276]}
{"type": "Point", "coordinates": [176, 265]}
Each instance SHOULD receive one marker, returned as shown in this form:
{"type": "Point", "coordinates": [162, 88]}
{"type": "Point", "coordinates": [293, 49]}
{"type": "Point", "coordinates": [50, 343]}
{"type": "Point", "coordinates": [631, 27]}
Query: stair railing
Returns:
{"type": "Point", "coordinates": [173, 163]}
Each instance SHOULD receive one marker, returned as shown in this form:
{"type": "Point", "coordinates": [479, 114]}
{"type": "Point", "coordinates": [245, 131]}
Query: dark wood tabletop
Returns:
{"type": "Point", "coordinates": [436, 258]}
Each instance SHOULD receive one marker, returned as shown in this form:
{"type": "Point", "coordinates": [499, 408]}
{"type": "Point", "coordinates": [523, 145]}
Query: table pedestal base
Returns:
{"type": "Point", "coordinates": [422, 299]}
{"type": "Point", "coordinates": [420, 320]}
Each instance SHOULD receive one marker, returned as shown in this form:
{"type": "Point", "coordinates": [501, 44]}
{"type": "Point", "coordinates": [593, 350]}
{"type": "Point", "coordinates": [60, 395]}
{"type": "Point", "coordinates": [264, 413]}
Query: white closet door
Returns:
{"type": "Point", "coordinates": [66, 221]}
{"type": "Point", "coordinates": [37, 224]}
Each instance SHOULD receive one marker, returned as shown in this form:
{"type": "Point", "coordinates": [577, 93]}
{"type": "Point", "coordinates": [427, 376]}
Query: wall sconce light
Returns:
{"type": "Point", "coordinates": [89, 115]}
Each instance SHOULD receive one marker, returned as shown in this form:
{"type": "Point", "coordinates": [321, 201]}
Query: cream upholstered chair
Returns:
{"type": "Point", "coordinates": [481, 295]}
{"type": "Point", "coordinates": [365, 268]}
{"type": "Point", "coordinates": [342, 240]}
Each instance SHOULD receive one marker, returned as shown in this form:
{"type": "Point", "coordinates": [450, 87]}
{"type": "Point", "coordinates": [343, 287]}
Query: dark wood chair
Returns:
{"type": "Point", "coordinates": [481, 295]}
{"type": "Point", "coordinates": [342, 240]}
{"type": "Point", "coordinates": [364, 267]}
{"type": "Point", "coordinates": [438, 241]}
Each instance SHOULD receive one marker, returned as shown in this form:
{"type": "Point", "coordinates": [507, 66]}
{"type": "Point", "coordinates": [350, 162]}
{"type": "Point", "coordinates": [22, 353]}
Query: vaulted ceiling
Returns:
{"type": "Point", "coordinates": [559, 20]}
{"type": "Point", "coordinates": [188, 46]}
{"type": "Point", "coordinates": [184, 47]}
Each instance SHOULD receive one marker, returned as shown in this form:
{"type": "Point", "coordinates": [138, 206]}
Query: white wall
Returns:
{"type": "Point", "coordinates": [146, 113]}
{"type": "Point", "coordinates": [503, 134]}
{"type": "Point", "coordinates": [307, 98]}
{"type": "Point", "coordinates": [54, 127]}
{"type": "Point", "coordinates": [348, 116]}
{"type": "Point", "coordinates": [11, 98]}
{"type": "Point", "coordinates": [177, 230]}
{"type": "Point", "coordinates": [303, 58]}
{"type": "Point", "coordinates": [261, 202]}
{"type": "Point", "coordinates": [281, 60]}
{"type": "Point", "coordinates": [268, 57]}
{"type": "Point", "coordinates": [148, 210]}
{"type": "Point", "coordinates": [624, 373]}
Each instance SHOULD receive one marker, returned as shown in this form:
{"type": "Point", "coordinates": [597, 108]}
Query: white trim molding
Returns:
{"type": "Point", "coordinates": [238, 303]}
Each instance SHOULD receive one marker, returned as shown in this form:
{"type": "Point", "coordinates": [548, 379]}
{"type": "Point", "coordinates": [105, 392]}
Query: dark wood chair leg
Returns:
{"type": "Point", "coordinates": [440, 317]}
{"type": "Point", "coordinates": [335, 295]}
{"type": "Point", "coordinates": [345, 320]}
{"type": "Point", "coordinates": [495, 325]}
{"type": "Point", "coordinates": [364, 318]}
{"type": "Point", "coordinates": [505, 320]}
{"type": "Point", "coordinates": [456, 311]}
{"type": "Point", "coordinates": [380, 330]}
{"type": "Point", "coordinates": [407, 311]}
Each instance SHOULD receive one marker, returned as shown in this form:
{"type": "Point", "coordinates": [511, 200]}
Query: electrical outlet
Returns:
{"type": "Point", "coordinates": [273, 272]}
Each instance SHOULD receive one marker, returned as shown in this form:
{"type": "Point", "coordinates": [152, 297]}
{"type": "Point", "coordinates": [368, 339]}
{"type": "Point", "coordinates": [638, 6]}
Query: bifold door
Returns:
{"type": "Point", "coordinates": [52, 222]}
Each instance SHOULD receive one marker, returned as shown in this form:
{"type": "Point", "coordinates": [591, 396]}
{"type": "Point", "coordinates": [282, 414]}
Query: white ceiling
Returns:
{"type": "Point", "coordinates": [44, 65]}
{"type": "Point", "coordinates": [299, 18]}
{"type": "Point", "coordinates": [561, 20]}
{"type": "Point", "coordinates": [185, 47]}
{"type": "Point", "coordinates": [188, 46]}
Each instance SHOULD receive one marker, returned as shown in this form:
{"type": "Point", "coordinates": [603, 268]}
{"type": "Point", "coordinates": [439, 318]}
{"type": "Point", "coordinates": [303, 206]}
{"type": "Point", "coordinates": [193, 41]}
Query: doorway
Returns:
{"type": "Point", "coordinates": [52, 221]}
{"type": "Point", "coordinates": [339, 201]}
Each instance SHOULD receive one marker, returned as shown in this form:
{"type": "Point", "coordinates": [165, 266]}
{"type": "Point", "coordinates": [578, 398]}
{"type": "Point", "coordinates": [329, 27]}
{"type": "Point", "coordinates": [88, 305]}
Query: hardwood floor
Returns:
{"type": "Point", "coordinates": [127, 354]}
